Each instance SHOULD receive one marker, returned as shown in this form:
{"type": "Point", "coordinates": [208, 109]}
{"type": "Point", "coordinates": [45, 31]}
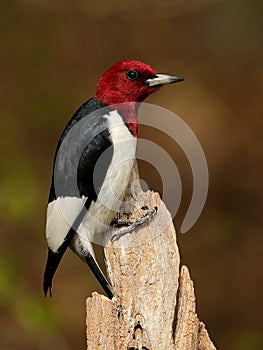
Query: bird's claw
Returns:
{"type": "Point", "coordinates": [132, 223]}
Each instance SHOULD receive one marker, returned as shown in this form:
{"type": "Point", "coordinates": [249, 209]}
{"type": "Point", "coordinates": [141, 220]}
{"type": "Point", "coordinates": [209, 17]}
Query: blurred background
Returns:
{"type": "Point", "coordinates": [52, 54]}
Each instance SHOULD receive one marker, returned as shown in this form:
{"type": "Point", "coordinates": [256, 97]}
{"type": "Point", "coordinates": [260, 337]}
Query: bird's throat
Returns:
{"type": "Point", "coordinates": [129, 113]}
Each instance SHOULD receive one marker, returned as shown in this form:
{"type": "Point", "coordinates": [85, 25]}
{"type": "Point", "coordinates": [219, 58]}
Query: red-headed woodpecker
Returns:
{"type": "Point", "coordinates": [110, 118]}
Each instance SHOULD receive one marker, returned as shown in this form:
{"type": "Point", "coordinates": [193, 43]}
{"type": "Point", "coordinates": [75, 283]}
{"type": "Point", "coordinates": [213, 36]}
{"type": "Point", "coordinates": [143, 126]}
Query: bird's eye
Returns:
{"type": "Point", "coordinates": [132, 75]}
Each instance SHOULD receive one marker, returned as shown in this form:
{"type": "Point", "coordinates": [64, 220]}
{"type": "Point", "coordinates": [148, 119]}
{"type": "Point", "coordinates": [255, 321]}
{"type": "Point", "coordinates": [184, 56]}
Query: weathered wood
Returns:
{"type": "Point", "coordinates": [154, 304]}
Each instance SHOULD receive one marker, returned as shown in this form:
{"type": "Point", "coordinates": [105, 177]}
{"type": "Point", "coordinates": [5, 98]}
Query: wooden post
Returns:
{"type": "Point", "coordinates": [154, 304]}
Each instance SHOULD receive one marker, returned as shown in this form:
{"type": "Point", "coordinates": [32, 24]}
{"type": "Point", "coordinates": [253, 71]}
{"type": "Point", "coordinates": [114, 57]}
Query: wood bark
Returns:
{"type": "Point", "coordinates": [154, 305]}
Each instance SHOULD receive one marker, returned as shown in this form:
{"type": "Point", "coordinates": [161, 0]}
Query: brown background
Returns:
{"type": "Point", "coordinates": [51, 58]}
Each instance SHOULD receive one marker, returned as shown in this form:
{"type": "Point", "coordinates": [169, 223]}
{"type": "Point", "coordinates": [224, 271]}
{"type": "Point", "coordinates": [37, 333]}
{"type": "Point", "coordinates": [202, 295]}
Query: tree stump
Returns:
{"type": "Point", "coordinates": [154, 304]}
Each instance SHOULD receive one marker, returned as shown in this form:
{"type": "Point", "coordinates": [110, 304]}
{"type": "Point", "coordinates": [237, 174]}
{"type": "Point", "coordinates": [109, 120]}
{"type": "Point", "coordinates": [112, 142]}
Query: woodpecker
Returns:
{"type": "Point", "coordinates": [83, 202]}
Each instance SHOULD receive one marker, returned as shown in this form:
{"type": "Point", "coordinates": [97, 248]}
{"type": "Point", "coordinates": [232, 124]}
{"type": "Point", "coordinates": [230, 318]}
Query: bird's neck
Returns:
{"type": "Point", "coordinates": [129, 113]}
{"type": "Point", "coordinates": [127, 110]}
{"type": "Point", "coordinates": [127, 107]}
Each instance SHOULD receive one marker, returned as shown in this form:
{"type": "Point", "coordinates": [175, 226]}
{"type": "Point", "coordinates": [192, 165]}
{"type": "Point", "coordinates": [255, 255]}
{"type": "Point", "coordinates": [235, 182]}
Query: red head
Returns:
{"type": "Point", "coordinates": [125, 82]}
{"type": "Point", "coordinates": [130, 81]}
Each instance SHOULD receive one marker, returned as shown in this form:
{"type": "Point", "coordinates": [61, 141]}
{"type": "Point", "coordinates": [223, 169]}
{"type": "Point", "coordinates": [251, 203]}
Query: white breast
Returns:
{"type": "Point", "coordinates": [117, 180]}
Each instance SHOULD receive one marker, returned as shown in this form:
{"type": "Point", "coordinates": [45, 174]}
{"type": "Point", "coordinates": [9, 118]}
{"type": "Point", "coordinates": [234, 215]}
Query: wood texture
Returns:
{"type": "Point", "coordinates": [154, 304]}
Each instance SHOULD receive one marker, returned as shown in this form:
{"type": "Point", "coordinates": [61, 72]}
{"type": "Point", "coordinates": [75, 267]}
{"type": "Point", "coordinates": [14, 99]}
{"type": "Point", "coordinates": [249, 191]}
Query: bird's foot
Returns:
{"type": "Point", "coordinates": [132, 223]}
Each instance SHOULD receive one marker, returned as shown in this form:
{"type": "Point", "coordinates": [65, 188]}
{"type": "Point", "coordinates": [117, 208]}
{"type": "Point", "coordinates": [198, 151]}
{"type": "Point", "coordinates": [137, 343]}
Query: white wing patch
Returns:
{"type": "Point", "coordinates": [61, 214]}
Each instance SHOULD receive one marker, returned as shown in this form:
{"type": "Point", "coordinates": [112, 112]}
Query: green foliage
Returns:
{"type": "Point", "coordinates": [249, 339]}
{"type": "Point", "coordinates": [35, 316]}
{"type": "Point", "coordinates": [18, 190]}
{"type": "Point", "coordinates": [7, 276]}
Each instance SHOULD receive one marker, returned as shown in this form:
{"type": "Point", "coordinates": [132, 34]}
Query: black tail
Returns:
{"type": "Point", "coordinates": [53, 260]}
{"type": "Point", "coordinates": [99, 275]}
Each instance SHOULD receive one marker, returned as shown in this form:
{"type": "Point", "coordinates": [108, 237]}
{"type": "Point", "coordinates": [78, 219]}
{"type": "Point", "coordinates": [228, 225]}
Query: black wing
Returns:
{"type": "Point", "coordinates": [83, 141]}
